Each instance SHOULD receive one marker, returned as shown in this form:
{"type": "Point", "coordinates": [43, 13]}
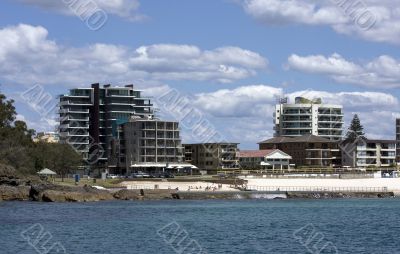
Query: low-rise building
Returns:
{"type": "Point", "coordinates": [47, 137]}
{"type": "Point", "coordinates": [370, 153]}
{"type": "Point", "coordinates": [264, 159]}
{"type": "Point", "coordinates": [307, 150]}
{"type": "Point", "coordinates": [212, 156]}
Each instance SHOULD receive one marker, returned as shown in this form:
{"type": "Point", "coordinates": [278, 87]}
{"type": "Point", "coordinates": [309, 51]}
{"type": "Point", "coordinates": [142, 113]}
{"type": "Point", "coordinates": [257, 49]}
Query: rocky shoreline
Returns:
{"type": "Point", "coordinates": [16, 189]}
{"type": "Point", "coordinates": [56, 193]}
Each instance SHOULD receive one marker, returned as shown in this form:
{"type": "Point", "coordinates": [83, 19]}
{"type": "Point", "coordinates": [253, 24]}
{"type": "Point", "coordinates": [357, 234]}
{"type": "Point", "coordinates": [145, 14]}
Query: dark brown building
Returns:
{"type": "Point", "coordinates": [212, 156]}
{"type": "Point", "coordinates": [307, 150]}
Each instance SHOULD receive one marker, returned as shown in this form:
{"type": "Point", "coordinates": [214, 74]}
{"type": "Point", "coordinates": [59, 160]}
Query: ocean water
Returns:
{"type": "Point", "coordinates": [241, 226]}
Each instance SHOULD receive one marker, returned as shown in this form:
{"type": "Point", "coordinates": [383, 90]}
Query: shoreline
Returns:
{"type": "Point", "coordinates": [13, 188]}
{"type": "Point", "coordinates": [90, 194]}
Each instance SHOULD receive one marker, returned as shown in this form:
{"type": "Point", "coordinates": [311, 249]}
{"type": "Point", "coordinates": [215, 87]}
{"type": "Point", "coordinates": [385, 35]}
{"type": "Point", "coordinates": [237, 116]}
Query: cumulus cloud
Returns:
{"type": "Point", "coordinates": [245, 113]}
{"type": "Point", "coordinates": [373, 20]}
{"type": "Point", "coordinates": [243, 101]}
{"type": "Point", "coordinates": [381, 72]}
{"type": "Point", "coordinates": [352, 101]}
{"type": "Point", "coordinates": [127, 9]}
{"type": "Point", "coordinates": [28, 56]}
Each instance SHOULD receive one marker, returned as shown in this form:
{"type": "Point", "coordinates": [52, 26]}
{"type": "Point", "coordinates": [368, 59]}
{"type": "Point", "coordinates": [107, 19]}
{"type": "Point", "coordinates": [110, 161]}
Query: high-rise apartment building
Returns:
{"type": "Point", "coordinates": [308, 117]}
{"type": "Point", "coordinates": [89, 118]}
{"type": "Point", "coordinates": [398, 139]}
{"type": "Point", "coordinates": [152, 145]}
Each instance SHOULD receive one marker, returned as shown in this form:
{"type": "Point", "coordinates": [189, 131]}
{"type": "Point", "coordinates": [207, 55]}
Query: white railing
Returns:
{"type": "Point", "coordinates": [139, 187]}
{"type": "Point", "coordinates": [317, 189]}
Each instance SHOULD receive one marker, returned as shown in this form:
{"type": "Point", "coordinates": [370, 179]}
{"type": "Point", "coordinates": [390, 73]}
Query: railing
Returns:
{"type": "Point", "coordinates": [317, 189]}
{"type": "Point", "coordinates": [340, 171]}
{"type": "Point", "coordinates": [139, 187]}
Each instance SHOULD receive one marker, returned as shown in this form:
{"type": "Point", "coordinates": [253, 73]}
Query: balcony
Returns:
{"type": "Point", "coordinates": [78, 142]}
{"type": "Point", "coordinates": [331, 121]}
{"type": "Point", "coordinates": [229, 151]}
{"type": "Point", "coordinates": [149, 137]}
{"type": "Point", "coordinates": [73, 134]}
{"type": "Point", "coordinates": [365, 148]}
{"type": "Point", "coordinates": [68, 126]}
{"type": "Point", "coordinates": [75, 103]}
{"type": "Point", "coordinates": [331, 114]}
{"type": "Point", "coordinates": [367, 156]}
{"type": "Point", "coordinates": [120, 96]}
{"type": "Point", "coordinates": [76, 111]}
{"type": "Point", "coordinates": [297, 128]}
{"type": "Point", "coordinates": [73, 118]}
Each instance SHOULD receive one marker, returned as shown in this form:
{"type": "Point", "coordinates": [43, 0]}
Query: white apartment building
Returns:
{"type": "Point", "coordinates": [152, 145]}
{"type": "Point", "coordinates": [370, 153]}
{"type": "Point", "coordinates": [306, 117]}
{"type": "Point", "coordinates": [398, 139]}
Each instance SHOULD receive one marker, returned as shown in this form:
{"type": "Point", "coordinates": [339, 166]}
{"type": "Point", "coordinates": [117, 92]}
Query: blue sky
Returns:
{"type": "Point", "coordinates": [233, 58]}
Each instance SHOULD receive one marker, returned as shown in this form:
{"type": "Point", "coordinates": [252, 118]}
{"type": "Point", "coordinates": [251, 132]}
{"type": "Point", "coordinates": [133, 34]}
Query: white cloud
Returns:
{"type": "Point", "coordinates": [243, 101]}
{"type": "Point", "coordinates": [28, 56]}
{"type": "Point", "coordinates": [127, 9]}
{"type": "Point", "coordinates": [373, 20]}
{"type": "Point", "coordinates": [245, 114]}
{"type": "Point", "coordinates": [381, 72]}
{"type": "Point", "coordinates": [352, 101]}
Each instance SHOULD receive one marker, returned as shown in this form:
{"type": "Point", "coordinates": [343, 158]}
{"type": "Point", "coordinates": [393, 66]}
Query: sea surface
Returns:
{"type": "Point", "coordinates": [242, 226]}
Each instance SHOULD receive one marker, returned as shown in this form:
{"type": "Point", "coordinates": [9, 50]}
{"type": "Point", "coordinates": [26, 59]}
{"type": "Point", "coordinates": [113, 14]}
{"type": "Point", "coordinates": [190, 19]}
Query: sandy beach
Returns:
{"type": "Point", "coordinates": [391, 184]}
{"type": "Point", "coordinates": [182, 186]}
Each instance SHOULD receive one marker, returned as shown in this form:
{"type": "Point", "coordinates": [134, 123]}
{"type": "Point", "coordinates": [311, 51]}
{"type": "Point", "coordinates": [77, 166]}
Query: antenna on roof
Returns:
{"type": "Point", "coordinates": [283, 100]}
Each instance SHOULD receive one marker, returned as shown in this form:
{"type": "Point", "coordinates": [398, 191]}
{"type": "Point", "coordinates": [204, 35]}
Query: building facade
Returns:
{"type": "Point", "coordinates": [47, 137]}
{"type": "Point", "coordinates": [307, 150]}
{"type": "Point", "coordinates": [398, 139]}
{"type": "Point", "coordinates": [212, 157]}
{"type": "Point", "coordinates": [153, 145]}
{"type": "Point", "coordinates": [89, 119]}
{"type": "Point", "coordinates": [307, 117]}
{"type": "Point", "coordinates": [264, 159]}
{"type": "Point", "coordinates": [370, 153]}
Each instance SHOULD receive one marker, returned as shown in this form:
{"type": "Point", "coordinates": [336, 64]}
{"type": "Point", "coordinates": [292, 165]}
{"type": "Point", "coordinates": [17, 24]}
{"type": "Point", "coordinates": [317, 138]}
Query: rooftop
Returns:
{"type": "Point", "coordinates": [216, 143]}
{"type": "Point", "coordinates": [302, 139]}
{"type": "Point", "coordinates": [255, 153]}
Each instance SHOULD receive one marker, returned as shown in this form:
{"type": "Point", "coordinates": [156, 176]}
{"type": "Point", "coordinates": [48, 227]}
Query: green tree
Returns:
{"type": "Point", "coordinates": [65, 159]}
{"type": "Point", "coordinates": [356, 130]}
{"type": "Point", "coordinates": [61, 158]}
{"type": "Point", "coordinates": [7, 111]}
{"type": "Point", "coordinates": [15, 138]}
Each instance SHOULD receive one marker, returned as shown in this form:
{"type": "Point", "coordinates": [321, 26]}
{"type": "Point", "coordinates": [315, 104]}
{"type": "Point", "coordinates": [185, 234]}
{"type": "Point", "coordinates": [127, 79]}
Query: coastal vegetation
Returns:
{"type": "Point", "coordinates": [356, 130]}
{"type": "Point", "coordinates": [19, 152]}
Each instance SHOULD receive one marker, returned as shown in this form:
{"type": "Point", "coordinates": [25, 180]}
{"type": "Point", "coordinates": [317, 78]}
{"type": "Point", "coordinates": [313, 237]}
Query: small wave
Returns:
{"type": "Point", "coordinates": [268, 196]}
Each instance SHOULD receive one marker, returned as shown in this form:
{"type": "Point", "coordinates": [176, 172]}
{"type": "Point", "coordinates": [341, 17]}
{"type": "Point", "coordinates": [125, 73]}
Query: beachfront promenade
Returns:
{"type": "Point", "coordinates": [267, 184]}
{"type": "Point", "coordinates": [351, 185]}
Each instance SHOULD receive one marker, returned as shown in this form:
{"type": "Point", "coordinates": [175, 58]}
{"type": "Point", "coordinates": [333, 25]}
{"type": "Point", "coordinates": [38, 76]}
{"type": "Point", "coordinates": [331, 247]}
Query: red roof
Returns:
{"type": "Point", "coordinates": [254, 153]}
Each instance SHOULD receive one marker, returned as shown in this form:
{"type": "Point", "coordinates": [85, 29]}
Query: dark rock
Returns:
{"type": "Point", "coordinates": [14, 193]}
{"type": "Point", "coordinates": [57, 193]}
{"type": "Point", "coordinates": [128, 195]}
{"type": "Point", "coordinates": [144, 194]}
